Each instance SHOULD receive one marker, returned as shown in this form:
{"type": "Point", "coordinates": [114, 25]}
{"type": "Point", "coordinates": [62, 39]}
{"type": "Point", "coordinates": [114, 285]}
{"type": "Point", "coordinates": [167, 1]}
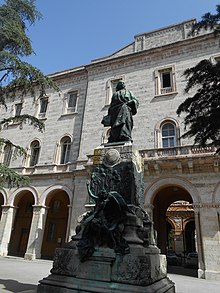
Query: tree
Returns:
{"type": "Point", "coordinates": [18, 78]}
{"type": "Point", "coordinates": [208, 21]}
{"type": "Point", "coordinates": [203, 108]}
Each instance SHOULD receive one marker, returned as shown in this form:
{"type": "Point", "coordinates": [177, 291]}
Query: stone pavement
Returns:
{"type": "Point", "coordinates": [19, 275]}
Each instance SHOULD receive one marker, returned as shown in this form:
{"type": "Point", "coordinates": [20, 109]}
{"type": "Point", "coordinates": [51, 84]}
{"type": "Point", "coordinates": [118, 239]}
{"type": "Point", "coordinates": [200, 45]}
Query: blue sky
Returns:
{"type": "Point", "coordinates": [74, 32]}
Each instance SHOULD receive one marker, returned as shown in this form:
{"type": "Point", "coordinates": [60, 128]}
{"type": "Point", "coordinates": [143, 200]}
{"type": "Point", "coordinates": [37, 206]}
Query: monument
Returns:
{"type": "Point", "coordinates": [114, 249]}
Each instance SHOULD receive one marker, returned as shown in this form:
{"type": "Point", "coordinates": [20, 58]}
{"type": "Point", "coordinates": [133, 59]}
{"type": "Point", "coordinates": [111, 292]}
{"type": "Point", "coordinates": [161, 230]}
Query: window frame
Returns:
{"type": "Point", "coordinates": [43, 110]}
{"type": "Point", "coordinates": [34, 157]}
{"type": "Point", "coordinates": [158, 132]}
{"type": "Point", "coordinates": [159, 80]}
{"type": "Point", "coordinates": [18, 108]}
{"type": "Point", "coordinates": [7, 154]}
{"type": "Point", "coordinates": [65, 150]}
{"type": "Point", "coordinates": [169, 136]}
{"type": "Point", "coordinates": [72, 109]}
{"type": "Point", "coordinates": [67, 110]}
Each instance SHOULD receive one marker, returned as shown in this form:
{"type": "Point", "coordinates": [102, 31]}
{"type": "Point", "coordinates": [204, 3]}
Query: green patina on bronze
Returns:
{"type": "Point", "coordinates": [123, 106]}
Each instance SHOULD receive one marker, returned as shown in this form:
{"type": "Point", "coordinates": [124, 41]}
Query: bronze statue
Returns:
{"type": "Point", "coordinates": [123, 106]}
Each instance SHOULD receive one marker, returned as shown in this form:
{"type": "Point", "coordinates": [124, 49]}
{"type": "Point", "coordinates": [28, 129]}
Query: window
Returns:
{"type": "Point", "coordinates": [7, 154]}
{"type": "Point", "coordinates": [18, 108]}
{"type": "Point", "coordinates": [168, 135]}
{"type": "Point", "coordinates": [65, 150]}
{"type": "Point", "coordinates": [165, 81]}
{"type": "Point", "coordinates": [72, 99]}
{"type": "Point", "coordinates": [51, 234]}
{"type": "Point", "coordinates": [43, 107]}
{"type": "Point", "coordinates": [35, 151]}
{"type": "Point", "coordinates": [111, 88]}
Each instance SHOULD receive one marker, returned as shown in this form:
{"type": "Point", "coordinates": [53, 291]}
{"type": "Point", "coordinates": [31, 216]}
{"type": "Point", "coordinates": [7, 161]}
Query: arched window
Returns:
{"type": "Point", "coordinates": [35, 151]}
{"type": "Point", "coordinates": [7, 154]}
{"type": "Point", "coordinates": [168, 135]}
{"type": "Point", "coordinates": [65, 150]}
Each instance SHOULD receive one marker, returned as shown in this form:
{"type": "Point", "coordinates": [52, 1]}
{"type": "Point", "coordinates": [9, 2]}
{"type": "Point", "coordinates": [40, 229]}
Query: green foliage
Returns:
{"type": "Point", "coordinates": [18, 78]}
{"type": "Point", "coordinates": [208, 21]}
{"type": "Point", "coordinates": [18, 151]}
{"type": "Point", "coordinates": [10, 178]}
{"type": "Point", "coordinates": [21, 120]}
{"type": "Point", "coordinates": [203, 109]}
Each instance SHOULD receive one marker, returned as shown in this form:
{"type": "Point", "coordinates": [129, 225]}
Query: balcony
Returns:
{"type": "Point", "coordinates": [180, 160]}
{"type": "Point", "coordinates": [181, 151]}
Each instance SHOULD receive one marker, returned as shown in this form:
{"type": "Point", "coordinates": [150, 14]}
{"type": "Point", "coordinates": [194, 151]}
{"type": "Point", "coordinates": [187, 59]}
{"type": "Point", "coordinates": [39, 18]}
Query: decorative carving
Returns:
{"type": "Point", "coordinates": [63, 264]}
{"type": "Point", "coordinates": [132, 270]}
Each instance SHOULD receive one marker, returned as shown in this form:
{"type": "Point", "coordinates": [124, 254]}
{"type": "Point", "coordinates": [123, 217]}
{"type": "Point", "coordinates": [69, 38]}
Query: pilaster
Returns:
{"type": "Point", "coordinates": [36, 232]}
{"type": "Point", "coordinates": [6, 224]}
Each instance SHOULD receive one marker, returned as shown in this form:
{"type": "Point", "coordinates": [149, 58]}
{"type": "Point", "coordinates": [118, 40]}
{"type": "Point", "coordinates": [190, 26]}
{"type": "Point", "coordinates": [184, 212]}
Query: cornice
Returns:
{"type": "Point", "coordinates": [201, 39]}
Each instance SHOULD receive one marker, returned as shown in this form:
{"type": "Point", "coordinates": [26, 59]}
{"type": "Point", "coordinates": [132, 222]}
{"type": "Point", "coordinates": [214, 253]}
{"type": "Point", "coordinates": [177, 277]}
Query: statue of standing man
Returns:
{"type": "Point", "coordinates": [123, 106]}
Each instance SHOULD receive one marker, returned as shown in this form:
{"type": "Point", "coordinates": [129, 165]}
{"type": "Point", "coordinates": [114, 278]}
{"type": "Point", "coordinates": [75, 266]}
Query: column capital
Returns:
{"type": "Point", "coordinates": [6, 208]}
{"type": "Point", "coordinates": [38, 208]}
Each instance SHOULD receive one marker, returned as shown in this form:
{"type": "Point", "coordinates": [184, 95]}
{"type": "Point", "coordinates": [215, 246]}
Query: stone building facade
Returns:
{"type": "Point", "coordinates": [60, 159]}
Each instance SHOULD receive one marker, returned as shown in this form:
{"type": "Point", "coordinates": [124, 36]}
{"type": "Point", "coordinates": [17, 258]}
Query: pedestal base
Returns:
{"type": "Point", "coordinates": [142, 270]}
{"type": "Point", "coordinates": [64, 284]}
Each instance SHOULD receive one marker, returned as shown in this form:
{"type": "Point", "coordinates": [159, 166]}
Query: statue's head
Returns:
{"type": "Point", "coordinates": [120, 85]}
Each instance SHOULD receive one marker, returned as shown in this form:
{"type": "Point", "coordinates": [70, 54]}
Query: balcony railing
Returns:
{"type": "Point", "coordinates": [166, 90]}
{"type": "Point", "coordinates": [177, 151]}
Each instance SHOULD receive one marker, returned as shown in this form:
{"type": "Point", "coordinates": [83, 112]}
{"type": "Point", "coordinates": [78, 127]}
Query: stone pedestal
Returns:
{"type": "Point", "coordinates": [114, 249]}
{"type": "Point", "coordinates": [140, 271]}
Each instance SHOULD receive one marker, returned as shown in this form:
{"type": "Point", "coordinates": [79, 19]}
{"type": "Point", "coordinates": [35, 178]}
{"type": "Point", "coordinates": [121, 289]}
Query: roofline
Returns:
{"type": "Point", "coordinates": [67, 71]}
{"type": "Point", "coordinates": [166, 27]}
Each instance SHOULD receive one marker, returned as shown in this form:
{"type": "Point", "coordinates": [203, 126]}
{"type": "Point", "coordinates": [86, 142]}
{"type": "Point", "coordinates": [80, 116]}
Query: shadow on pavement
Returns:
{"type": "Point", "coordinates": [15, 286]}
{"type": "Point", "coordinates": [179, 270]}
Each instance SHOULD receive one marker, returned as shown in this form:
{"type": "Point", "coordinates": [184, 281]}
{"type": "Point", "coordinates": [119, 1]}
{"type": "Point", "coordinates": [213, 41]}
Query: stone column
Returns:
{"type": "Point", "coordinates": [210, 236]}
{"type": "Point", "coordinates": [6, 224]}
{"type": "Point", "coordinates": [68, 236]}
{"type": "Point", "coordinates": [201, 269]}
{"type": "Point", "coordinates": [36, 232]}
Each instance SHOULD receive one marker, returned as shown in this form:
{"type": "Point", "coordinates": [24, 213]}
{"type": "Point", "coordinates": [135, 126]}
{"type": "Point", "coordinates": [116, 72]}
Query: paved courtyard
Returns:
{"type": "Point", "coordinates": [19, 275]}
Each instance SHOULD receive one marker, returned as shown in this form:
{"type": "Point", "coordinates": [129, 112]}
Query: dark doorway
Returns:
{"type": "Point", "coordinates": [56, 223]}
{"type": "Point", "coordinates": [22, 223]}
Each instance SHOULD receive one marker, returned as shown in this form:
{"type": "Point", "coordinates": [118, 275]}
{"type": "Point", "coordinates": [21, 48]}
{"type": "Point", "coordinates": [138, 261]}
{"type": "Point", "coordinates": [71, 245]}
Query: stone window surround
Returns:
{"type": "Point", "coordinates": [158, 131]}
{"type": "Point", "coordinates": [69, 110]}
{"type": "Point", "coordinates": [57, 156]}
{"type": "Point", "coordinates": [29, 152]}
{"type": "Point", "coordinates": [157, 73]}
{"type": "Point", "coordinates": [38, 114]}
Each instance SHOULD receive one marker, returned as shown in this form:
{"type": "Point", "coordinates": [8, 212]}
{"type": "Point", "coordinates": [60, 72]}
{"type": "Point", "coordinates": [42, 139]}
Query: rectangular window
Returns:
{"type": "Point", "coordinates": [43, 107]}
{"type": "Point", "coordinates": [18, 108]}
{"type": "Point", "coordinates": [165, 81]}
{"type": "Point", "coordinates": [72, 102]}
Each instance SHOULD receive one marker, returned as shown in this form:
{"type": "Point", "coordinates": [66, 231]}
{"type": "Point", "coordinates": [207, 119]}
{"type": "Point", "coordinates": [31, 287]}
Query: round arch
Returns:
{"type": "Point", "coordinates": [158, 127]}
{"type": "Point", "coordinates": [66, 135]}
{"type": "Point", "coordinates": [55, 188]}
{"type": "Point", "coordinates": [153, 189]}
{"type": "Point", "coordinates": [57, 200]}
{"type": "Point", "coordinates": [20, 190]}
{"type": "Point", "coordinates": [4, 194]}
